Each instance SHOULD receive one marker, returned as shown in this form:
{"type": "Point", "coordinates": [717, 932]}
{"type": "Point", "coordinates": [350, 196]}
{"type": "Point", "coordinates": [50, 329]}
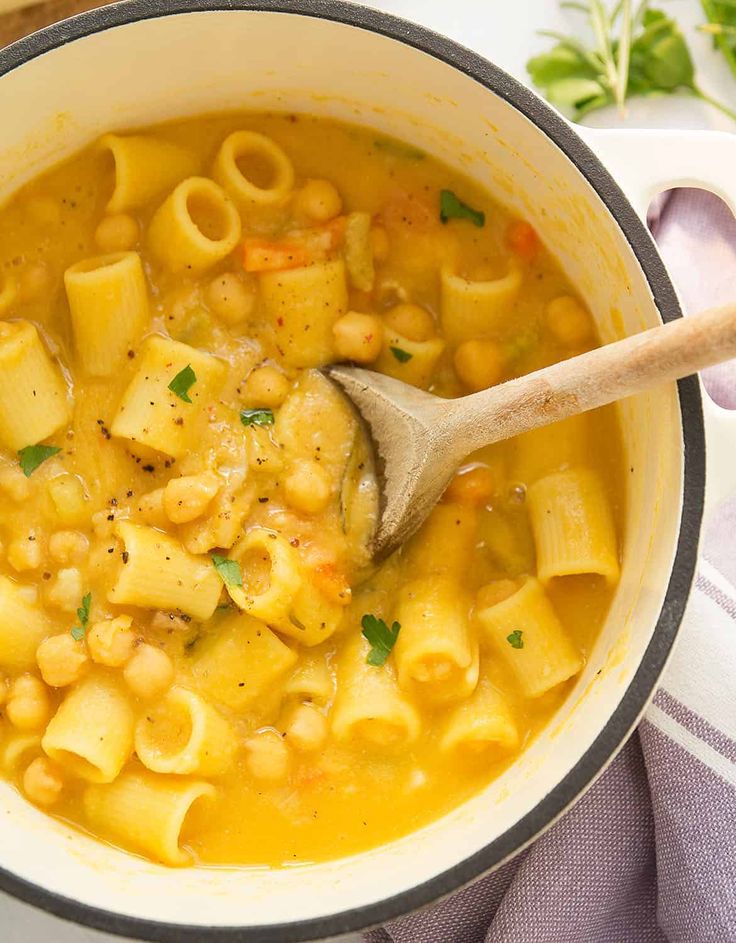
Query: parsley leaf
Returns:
{"type": "Point", "coordinates": [403, 356]}
{"type": "Point", "coordinates": [256, 417]}
{"type": "Point", "coordinates": [183, 382]}
{"type": "Point", "coordinates": [515, 640]}
{"type": "Point", "coordinates": [78, 631]}
{"type": "Point", "coordinates": [452, 207]}
{"type": "Point", "coordinates": [634, 52]}
{"type": "Point", "coordinates": [229, 570]}
{"type": "Point", "coordinates": [34, 455]}
{"type": "Point", "coordinates": [381, 638]}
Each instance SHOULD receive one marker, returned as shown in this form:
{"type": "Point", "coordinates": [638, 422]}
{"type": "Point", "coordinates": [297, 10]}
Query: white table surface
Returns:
{"type": "Point", "coordinates": [505, 32]}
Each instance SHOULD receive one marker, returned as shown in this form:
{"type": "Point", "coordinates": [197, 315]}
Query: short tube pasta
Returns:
{"type": "Point", "coordinates": [242, 663]}
{"type": "Point", "coordinates": [312, 680]}
{"type": "Point", "coordinates": [302, 304]}
{"type": "Point", "coordinates": [277, 591]}
{"type": "Point", "coordinates": [573, 526]}
{"type": "Point", "coordinates": [150, 413]}
{"type": "Point", "coordinates": [195, 228]}
{"type": "Point", "coordinates": [23, 626]}
{"type": "Point", "coordinates": [481, 725]}
{"type": "Point", "coordinates": [144, 167]}
{"type": "Point", "coordinates": [182, 733]}
{"type": "Point", "coordinates": [471, 309]}
{"type": "Point", "coordinates": [147, 812]}
{"type": "Point", "coordinates": [369, 705]}
{"type": "Point", "coordinates": [446, 542]}
{"type": "Point", "coordinates": [528, 638]}
{"type": "Point", "coordinates": [108, 300]}
{"type": "Point", "coordinates": [34, 401]}
{"type": "Point", "coordinates": [274, 169]}
{"type": "Point", "coordinates": [436, 655]}
{"type": "Point", "coordinates": [91, 733]}
{"type": "Point", "coordinates": [551, 448]}
{"type": "Point", "coordinates": [412, 362]}
{"type": "Point", "coordinates": [161, 574]}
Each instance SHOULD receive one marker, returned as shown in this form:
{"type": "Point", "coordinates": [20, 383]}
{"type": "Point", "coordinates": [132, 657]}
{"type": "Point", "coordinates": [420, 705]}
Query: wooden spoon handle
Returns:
{"type": "Point", "coordinates": [593, 379]}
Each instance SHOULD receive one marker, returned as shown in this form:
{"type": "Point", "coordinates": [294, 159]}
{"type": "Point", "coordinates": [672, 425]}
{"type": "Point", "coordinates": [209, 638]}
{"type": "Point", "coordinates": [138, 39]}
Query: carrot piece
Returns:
{"type": "Point", "coordinates": [299, 247]}
{"type": "Point", "coordinates": [523, 239]}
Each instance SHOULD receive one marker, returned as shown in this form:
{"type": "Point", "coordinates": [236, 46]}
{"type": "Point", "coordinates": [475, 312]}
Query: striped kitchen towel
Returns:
{"type": "Point", "coordinates": [648, 855]}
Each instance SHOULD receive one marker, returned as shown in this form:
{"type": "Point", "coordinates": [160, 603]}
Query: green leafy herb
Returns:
{"type": "Point", "coordinates": [34, 455]}
{"type": "Point", "coordinates": [256, 417]}
{"type": "Point", "coordinates": [398, 149]}
{"type": "Point", "coordinates": [634, 52]}
{"type": "Point", "coordinates": [78, 631]}
{"type": "Point", "coordinates": [381, 638]}
{"type": "Point", "coordinates": [403, 356]}
{"type": "Point", "coordinates": [722, 26]}
{"type": "Point", "coordinates": [229, 570]}
{"type": "Point", "coordinates": [452, 207]}
{"type": "Point", "coordinates": [183, 382]}
{"type": "Point", "coordinates": [515, 640]}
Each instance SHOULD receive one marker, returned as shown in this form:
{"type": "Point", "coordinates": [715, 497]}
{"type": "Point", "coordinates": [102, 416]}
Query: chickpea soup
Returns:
{"type": "Point", "coordinates": [198, 660]}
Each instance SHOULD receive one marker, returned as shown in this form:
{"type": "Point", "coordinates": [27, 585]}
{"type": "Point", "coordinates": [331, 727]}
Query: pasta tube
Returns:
{"type": "Point", "coordinates": [108, 300]}
{"type": "Point", "coordinates": [195, 228]}
{"type": "Point", "coordinates": [470, 310]}
{"type": "Point", "coordinates": [23, 626]}
{"type": "Point", "coordinates": [147, 813]}
{"type": "Point", "coordinates": [446, 542]}
{"type": "Point", "coordinates": [483, 724]}
{"type": "Point", "coordinates": [143, 168]}
{"type": "Point", "coordinates": [253, 170]}
{"type": "Point", "coordinates": [435, 654]}
{"type": "Point", "coordinates": [151, 413]}
{"type": "Point", "coordinates": [160, 574]}
{"type": "Point", "coordinates": [34, 401]}
{"type": "Point", "coordinates": [573, 526]}
{"type": "Point", "coordinates": [412, 362]}
{"type": "Point", "coordinates": [527, 636]}
{"type": "Point", "coordinates": [91, 733]}
{"type": "Point", "coordinates": [183, 733]}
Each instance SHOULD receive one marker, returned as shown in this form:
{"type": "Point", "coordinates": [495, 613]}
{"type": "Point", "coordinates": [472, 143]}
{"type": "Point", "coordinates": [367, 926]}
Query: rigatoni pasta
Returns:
{"type": "Point", "coordinates": [200, 661]}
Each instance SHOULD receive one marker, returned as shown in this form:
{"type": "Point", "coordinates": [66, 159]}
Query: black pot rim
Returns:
{"type": "Point", "coordinates": [621, 723]}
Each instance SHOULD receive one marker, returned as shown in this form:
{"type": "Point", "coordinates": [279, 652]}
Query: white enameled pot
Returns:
{"type": "Point", "coordinates": [144, 61]}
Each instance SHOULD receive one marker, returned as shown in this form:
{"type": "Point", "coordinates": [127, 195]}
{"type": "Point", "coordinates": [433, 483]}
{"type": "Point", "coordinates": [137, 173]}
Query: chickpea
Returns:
{"type": "Point", "coordinates": [28, 706]}
{"type": "Point", "coordinates": [474, 487]}
{"type": "Point", "coordinates": [379, 244]}
{"type": "Point", "coordinates": [479, 364]}
{"type": "Point", "coordinates": [42, 781]}
{"type": "Point", "coordinates": [149, 672]}
{"type": "Point", "coordinates": [188, 497]}
{"type": "Point", "coordinates": [24, 553]}
{"type": "Point", "coordinates": [358, 337]}
{"type": "Point", "coordinates": [117, 233]}
{"type": "Point", "coordinates": [111, 642]}
{"type": "Point", "coordinates": [267, 756]}
{"type": "Point", "coordinates": [307, 488]}
{"type": "Point", "coordinates": [317, 202]}
{"type": "Point", "coordinates": [68, 546]}
{"type": "Point", "coordinates": [70, 502]}
{"type": "Point", "coordinates": [34, 282]}
{"type": "Point", "coordinates": [151, 508]}
{"type": "Point", "coordinates": [267, 387]}
{"type": "Point", "coordinates": [61, 660]}
{"type": "Point", "coordinates": [230, 298]}
{"type": "Point", "coordinates": [568, 321]}
{"type": "Point", "coordinates": [14, 483]}
{"type": "Point", "coordinates": [411, 321]}
{"type": "Point", "coordinates": [66, 590]}
{"type": "Point", "coordinates": [306, 728]}
{"type": "Point", "coordinates": [495, 592]}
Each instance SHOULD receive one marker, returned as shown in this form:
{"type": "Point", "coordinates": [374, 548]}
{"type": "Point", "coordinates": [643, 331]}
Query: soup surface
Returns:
{"type": "Point", "coordinates": [198, 661]}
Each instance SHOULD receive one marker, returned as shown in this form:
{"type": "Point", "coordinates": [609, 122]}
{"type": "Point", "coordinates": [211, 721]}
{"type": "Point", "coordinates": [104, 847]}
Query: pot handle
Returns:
{"type": "Point", "coordinates": [646, 162]}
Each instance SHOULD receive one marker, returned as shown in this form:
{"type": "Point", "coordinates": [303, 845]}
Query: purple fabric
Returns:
{"type": "Point", "coordinates": [648, 854]}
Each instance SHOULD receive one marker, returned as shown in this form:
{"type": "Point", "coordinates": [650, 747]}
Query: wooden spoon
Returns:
{"type": "Point", "coordinates": [420, 439]}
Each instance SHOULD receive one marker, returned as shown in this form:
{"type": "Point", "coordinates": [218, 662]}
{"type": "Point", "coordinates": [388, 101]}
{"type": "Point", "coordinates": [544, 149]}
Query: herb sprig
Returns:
{"type": "Point", "coordinates": [635, 52]}
{"type": "Point", "coordinates": [34, 455]}
{"type": "Point", "coordinates": [79, 631]}
{"type": "Point", "coordinates": [183, 382]}
{"type": "Point", "coordinates": [229, 570]}
{"type": "Point", "coordinates": [382, 638]}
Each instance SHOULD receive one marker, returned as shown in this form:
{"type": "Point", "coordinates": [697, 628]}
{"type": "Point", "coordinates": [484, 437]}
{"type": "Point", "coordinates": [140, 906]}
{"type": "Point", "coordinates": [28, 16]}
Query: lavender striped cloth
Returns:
{"type": "Point", "coordinates": [648, 855]}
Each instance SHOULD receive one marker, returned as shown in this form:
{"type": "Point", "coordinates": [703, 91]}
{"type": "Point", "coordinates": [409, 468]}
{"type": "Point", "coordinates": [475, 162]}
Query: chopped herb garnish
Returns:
{"type": "Point", "coordinates": [381, 637]}
{"type": "Point", "coordinates": [229, 570]}
{"type": "Point", "coordinates": [34, 455]}
{"type": "Point", "coordinates": [78, 631]}
{"type": "Point", "coordinates": [256, 417]}
{"type": "Point", "coordinates": [403, 356]}
{"type": "Point", "coordinates": [515, 640]}
{"type": "Point", "coordinates": [183, 382]}
{"type": "Point", "coordinates": [452, 207]}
